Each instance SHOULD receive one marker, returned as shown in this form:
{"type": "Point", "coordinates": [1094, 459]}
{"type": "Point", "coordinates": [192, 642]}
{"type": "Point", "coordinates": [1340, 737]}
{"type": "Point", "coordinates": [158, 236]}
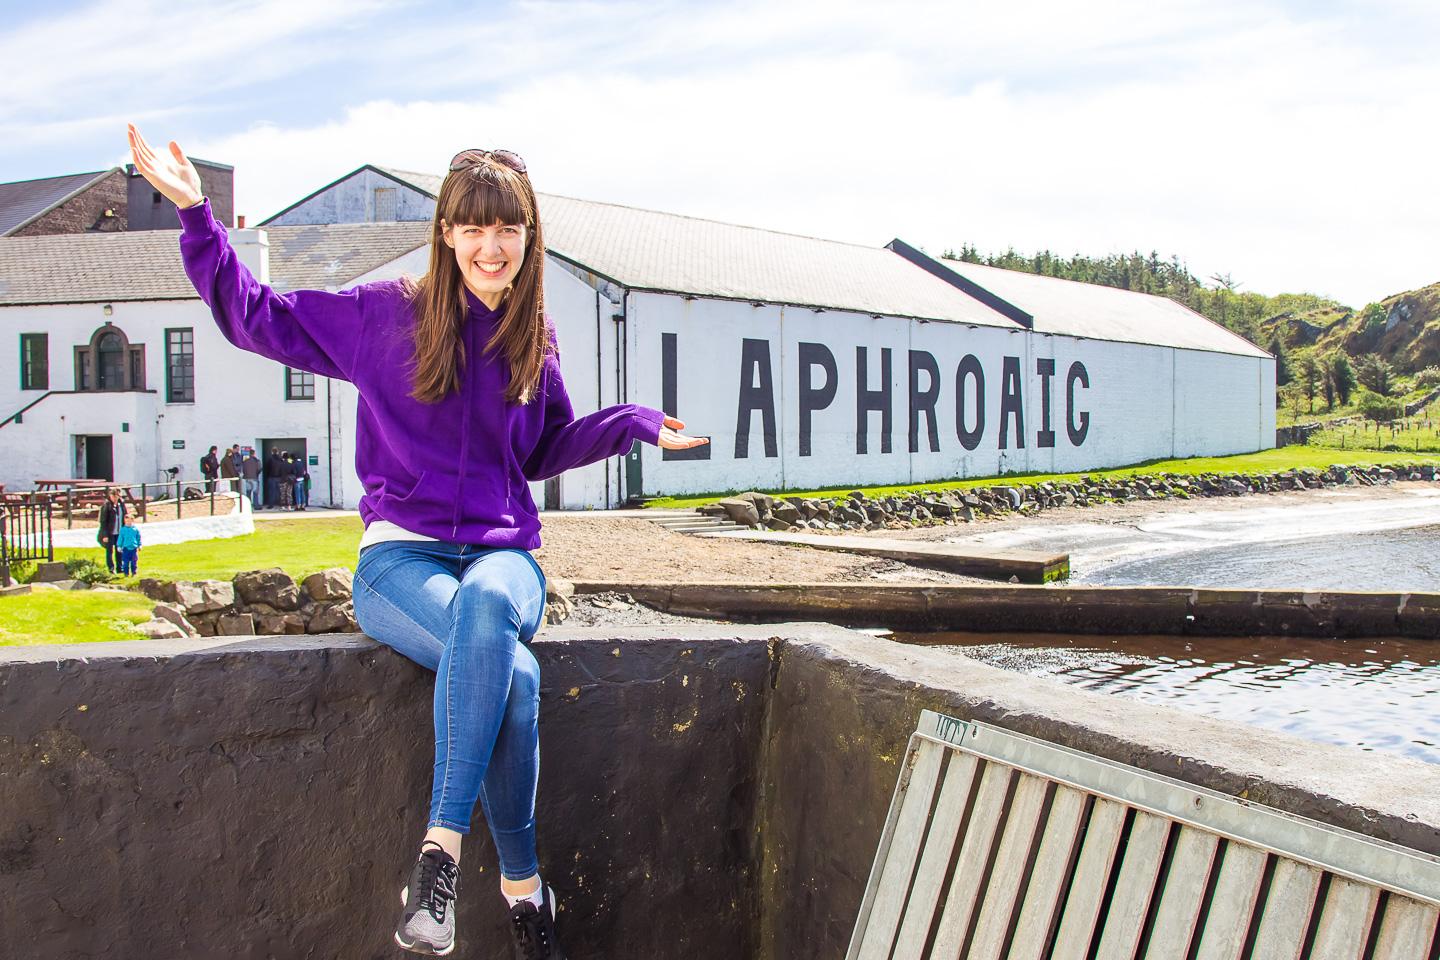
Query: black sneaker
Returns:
{"type": "Point", "coordinates": [427, 922]}
{"type": "Point", "coordinates": [534, 930]}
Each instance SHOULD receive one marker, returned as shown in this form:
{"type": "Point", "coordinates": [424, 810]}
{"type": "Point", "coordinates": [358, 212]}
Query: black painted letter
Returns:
{"type": "Point", "coordinates": [669, 394]}
{"type": "Point", "coordinates": [1011, 403]}
{"type": "Point", "coordinates": [868, 400]}
{"type": "Point", "coordinates": [755, 359]}
{"type": "Point", "coordinates": [812, 399]}
{"type": "Point", "coordinates": [969, 367]}
{"type": "Point", "coordinates": [923, 402]}
{"type": "Point", "coordinates": [1045, 366]}
{"type": "Point", "coordinates": [1077, 431]}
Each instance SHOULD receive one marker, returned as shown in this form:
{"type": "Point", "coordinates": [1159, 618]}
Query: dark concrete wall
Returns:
{"type": "Point", "coordinates": [707, 791]}
{"type": "Point", "coordinates": [261, 799]}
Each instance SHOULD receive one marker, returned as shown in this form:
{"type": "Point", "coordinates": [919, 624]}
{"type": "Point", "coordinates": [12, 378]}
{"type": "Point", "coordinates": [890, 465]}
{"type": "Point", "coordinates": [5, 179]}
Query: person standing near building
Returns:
{"type": "Point", "coordinates": [237, 458]}
{"type": "Point", "coordinates": [287, 482]}
{"type": "Point", "coordinates": [301, 473]}
{"type": "Point", "coordinates": [250, 474]}
{"type": "Point", "coordinates": [228, 473]}
{"type": "Point", "coordinates": [210, 469]}
{"type": "Point", "coordinates": [273, 468]}
{"type": "Point", "coordinates": [112, 518]}
{"type": "Point", "coordinates": [462, 404]}
{"type": "Point", "coordinates": [128, 540]}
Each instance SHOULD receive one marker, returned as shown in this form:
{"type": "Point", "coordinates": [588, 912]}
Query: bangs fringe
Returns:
{"type": "Point", "coordinates": [496, 198]}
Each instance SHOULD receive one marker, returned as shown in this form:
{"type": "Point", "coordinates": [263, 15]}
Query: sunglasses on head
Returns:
{"type": "Point", "coordinates": [473, 157]}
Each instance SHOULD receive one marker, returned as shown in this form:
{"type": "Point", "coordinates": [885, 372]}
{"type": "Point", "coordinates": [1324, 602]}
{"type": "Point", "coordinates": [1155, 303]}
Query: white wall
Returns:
{"type": "Point", "coordinates": [240, 397]}
{"type": "Point", "coordinates": [1143, 402]}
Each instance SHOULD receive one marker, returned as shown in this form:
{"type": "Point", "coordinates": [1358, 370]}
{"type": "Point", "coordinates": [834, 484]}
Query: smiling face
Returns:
{"type": "Point", "coordinates": [488, 257]}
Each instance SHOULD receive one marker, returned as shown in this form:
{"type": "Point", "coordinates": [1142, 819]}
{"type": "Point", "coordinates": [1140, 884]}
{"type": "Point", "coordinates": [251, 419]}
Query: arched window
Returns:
{"type": "Point", "coordinates": [110, 362]}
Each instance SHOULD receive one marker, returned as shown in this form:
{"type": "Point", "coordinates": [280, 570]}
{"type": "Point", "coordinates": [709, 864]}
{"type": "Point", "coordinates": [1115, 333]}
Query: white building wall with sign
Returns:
{"type": "Point", "coordinates": [1135, 402]}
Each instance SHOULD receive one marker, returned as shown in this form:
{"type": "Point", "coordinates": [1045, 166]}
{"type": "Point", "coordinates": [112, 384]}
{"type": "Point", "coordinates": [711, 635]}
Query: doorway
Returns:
{"type": "Point", "coordinates": [284, 447]}
{"type": "Point", "coordinates": [95, 457]}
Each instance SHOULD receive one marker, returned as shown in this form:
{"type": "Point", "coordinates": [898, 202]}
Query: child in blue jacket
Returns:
{"type": "Point", "coordinates": [129, 543]}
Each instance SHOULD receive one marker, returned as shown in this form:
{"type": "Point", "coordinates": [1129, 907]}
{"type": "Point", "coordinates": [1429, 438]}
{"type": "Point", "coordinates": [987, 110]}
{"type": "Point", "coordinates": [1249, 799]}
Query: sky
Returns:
{"type": "Point", "coordinates": [1289, 145]}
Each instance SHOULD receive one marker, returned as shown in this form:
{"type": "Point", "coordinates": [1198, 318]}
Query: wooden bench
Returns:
{"type": "Point", "coordinates": [998, 845]}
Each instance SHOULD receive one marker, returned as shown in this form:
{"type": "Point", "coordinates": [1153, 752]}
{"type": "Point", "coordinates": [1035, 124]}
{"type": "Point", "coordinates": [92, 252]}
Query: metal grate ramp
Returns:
{"type": "Point", "coordinates": [998, 845]}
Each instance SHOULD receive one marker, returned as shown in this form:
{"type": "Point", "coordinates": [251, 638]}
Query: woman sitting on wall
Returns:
{"type": "Point", "coordinates": [461, 406]}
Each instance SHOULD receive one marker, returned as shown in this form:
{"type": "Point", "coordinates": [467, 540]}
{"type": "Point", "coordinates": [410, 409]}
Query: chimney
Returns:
{"type": "Point", "coordinates": [240, 221]}
{"type": "Point", "coordinates": [253, 249]}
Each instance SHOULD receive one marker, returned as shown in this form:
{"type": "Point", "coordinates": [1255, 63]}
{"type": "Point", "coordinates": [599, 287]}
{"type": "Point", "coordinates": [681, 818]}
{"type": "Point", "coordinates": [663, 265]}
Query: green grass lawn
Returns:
{"type": "Point", "coordinates": [65, 616]}
{"type": "Point", "coordinates": [1265, 461]}
{"type": "Point", "coordinates": [299, 547]}
{"type": "Point", "coordinates": [1357, 437]}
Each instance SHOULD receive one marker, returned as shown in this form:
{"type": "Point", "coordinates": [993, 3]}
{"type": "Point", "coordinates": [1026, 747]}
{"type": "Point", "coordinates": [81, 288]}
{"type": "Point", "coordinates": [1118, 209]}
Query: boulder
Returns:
{"type": "Point", "coordinates": [161, 630]}
{"type": "Point", "coordinates": [764, 503]}
{"type": "Point", "coordinates": [742, 511]}
{"type": "Point", "coordinates": [273, 587]}
{"type": "Point", "coordinates": [70, 585]}
{"type": "Point", "coordinates": [337, 583]}
{"type": "Point", "coordinates": [558, 587]}
{"type": "Point", "coordinates": [280, 623]}
{"type": "Point", "coordinates": [214, 595]}
{"type": "Point", "coordinates": [168, 611]}
{"type": "Point", "coordinates": [775, 523]}
{"type": "Point", "coordinates": [235, 625]}
{"type": "Point", "coordinates": [785, 511]}
{"type": "Point", "coordinates": [334, 618]}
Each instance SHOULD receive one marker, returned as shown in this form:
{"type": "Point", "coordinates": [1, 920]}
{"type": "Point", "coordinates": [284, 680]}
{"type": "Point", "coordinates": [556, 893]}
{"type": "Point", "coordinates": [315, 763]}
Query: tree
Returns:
{"type": "Point", "coordinates": [1374, 371]}
{"type": "Point", "coordinates": [1291, 397]}
{"type": "Point", "coordinates": [1342, 377]}
{"type": "Point", "coordinates": [1310, 377]}
{"type": "Point", "coordinates": [1282, 362]}
{"type": "Point", "coordinates": [1372, 316]}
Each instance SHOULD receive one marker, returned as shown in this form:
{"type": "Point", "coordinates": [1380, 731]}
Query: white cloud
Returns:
{"type": "Point", "coordinates": [1293, 153]}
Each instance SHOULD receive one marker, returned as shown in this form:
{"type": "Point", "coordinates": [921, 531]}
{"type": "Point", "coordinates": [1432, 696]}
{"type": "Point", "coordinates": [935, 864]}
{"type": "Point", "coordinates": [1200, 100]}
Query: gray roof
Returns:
{"type": "Point", "coordinates": [1098, 312]}
{"type": "Point", "coordinates": [424, 182]}
{"type": "Point", "coordinates": [24, 200]}
{"type": "Point", "coordinates": [648, 250]}
{"type": "Point", "coordinates": [145, 265]}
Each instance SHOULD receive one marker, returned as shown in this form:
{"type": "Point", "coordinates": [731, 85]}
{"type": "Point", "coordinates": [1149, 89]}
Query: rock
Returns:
{"type": "Point", "coordinates": [785, 511]}
{"type": "Point", "coordinates": [37, 587]}
{"type": "Point", "coordinates": [49, 573]}
{"type": "Point", "coordinates": [70, 585]}
{"type": "Point", "coordinates": [154, 589]}
{"type": "Point", "coordinates": [558, 610]}
{"type": "Point", "coordinates": [16, 590]}
{"type": "Point", "coordinates": [764, 503]}
{"type": "Point", "coordinates": [334, 618]}
{"type": "Point", "coordinates": [273, 586]}
{"type": "Point", "coordinates": [161, 630]}
{"type": "Point", "coordinates": [168, 611]}
{"type": "Point", "coordinates": [281, 623]}
{"type": "Point", "coordinates": [557, 587]}
{"type": "Point", "coordinates": [337, 583]}
{"type": "Point", "coordinates": [742, 511]}
{"type": "Point", "coordinates": [235, 625]}
{"type": "Point", "coordinates": [775, 523]}
{"type": "Point", "coordinates": [214, 595]}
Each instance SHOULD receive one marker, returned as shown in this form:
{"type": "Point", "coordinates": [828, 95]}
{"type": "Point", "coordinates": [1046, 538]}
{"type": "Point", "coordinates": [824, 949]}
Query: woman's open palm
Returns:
{"type": "Point", "coordinates": [672, 439]}
{"type": "Point", "coordinates": [171, 173]}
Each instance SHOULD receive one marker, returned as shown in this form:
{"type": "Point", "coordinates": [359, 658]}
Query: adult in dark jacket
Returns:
{"type": "Point", "coordinates": [210, 469]}
{"type": "Point", "coordinates": [274, 468]}
{"type": "Point", "coordinates": [112, 518]}
{"type": "Point", "coordinates": [228, 473]}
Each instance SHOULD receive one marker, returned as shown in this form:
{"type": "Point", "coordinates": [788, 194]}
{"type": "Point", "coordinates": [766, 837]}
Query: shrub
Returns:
{"type": "Point", "coordinates": [1372, 406]}
{"type": "Point", "coordinates": [22, 570]}
{"type": "Point", "coordinates": [84, 568]}
{"type": "Point", "coordinates": [1428, 379]}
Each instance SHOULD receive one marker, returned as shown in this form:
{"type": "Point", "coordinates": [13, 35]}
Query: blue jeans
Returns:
{"type": "Point", "coordinates": [466, 612]}
{"type": "Point", "coordinates": [129, 560]}
{"type": "Point", "coordinates": [252, 493]}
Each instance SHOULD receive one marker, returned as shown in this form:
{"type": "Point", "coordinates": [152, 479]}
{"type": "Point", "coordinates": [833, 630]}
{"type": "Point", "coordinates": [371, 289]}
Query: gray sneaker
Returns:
{"type": "Point", "coordinates": [427, 922]}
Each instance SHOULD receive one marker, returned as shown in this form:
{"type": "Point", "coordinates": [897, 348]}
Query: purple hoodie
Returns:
{"type": "Point", "coordinates": [455, 470]}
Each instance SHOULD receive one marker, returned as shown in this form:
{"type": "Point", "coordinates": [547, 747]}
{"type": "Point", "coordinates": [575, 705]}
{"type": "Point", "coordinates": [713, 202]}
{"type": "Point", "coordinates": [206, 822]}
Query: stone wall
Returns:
{"type": "Point", "coordinates": [707, 791]}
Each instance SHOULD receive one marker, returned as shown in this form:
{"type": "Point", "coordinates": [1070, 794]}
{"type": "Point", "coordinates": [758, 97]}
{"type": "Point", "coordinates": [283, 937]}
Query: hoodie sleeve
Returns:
{"type": "Point", "coordinates": [567, 442]}
{"type": "Point", "coordinates": [310, 330]}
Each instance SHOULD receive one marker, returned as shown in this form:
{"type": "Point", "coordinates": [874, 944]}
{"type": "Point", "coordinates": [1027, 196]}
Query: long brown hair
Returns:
{"type": "Point", "coordinates": [481, 195]}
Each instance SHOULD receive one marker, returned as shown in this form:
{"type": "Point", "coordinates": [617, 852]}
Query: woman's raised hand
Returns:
{"type": "Point", "coordinates": [171, 173]}
{"type": "Point", "coordinates": [672, 439]}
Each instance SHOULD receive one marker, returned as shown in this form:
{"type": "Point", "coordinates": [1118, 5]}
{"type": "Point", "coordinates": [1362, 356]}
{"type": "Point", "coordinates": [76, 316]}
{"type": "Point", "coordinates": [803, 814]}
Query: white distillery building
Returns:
{"type": "Point", "coordinates": [808, 363]}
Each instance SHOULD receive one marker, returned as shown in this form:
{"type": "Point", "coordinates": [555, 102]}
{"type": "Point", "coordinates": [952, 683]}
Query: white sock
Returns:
{"type": "Point", "coordinates": [537, 898]}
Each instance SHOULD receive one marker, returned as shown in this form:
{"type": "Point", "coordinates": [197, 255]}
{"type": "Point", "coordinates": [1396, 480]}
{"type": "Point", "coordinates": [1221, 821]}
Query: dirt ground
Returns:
{"type": "Point", "coordinates": [581, 547]}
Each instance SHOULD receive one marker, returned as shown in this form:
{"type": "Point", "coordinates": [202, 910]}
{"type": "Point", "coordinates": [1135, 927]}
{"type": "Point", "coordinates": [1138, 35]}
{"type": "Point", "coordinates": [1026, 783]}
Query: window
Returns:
{"type": "Point", "coordinates": [34, 361]}
{"type": "Point", "coordinates": [384, 204]}
{"type": "Point", "coordinates": [180, 365]}
{"type": "Point", "coordinates": [110, 361]}
{"type": "Point", "coordinates": [299, 385]}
